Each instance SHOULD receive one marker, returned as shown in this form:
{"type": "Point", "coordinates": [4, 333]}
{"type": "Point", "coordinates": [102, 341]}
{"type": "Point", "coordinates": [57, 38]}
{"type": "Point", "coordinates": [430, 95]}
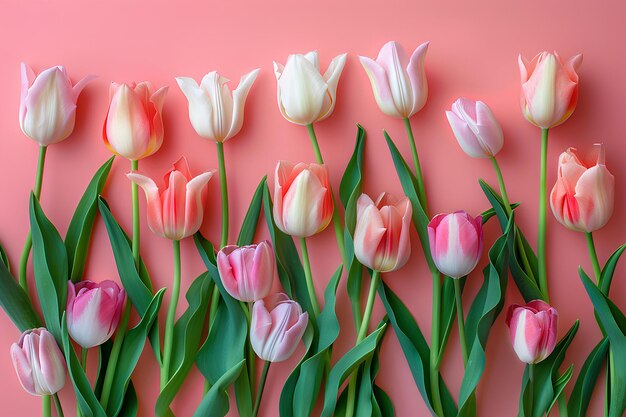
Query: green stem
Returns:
{"type": "Point", "coordinates": [83, 364]}
{"type": "Point", "coordinates": [309, 279]}
{"type": "Point", "coordinates": [563, 405]}
{"type": "Point", "coordinates": [421, 190]}
{"type": "Point", "coordinates": [594, 257]}
{"type": "Point", "coordinates": [461, 322]}
{"type": "Point", "coordinates": [259, 395]}
{"type": "Point", "coordinates": [434, 345]}
{"type": "Point", "coordinates": [251, 354]}
{"type": "Point", "coordinates": [46, 406]}
{"type": "Point", "coordinates": [541, 245]}
{"type": "Point", "coordinates": [531, 378]}
{"type": "Point", "coordinates": [41, 161]}
{"type": "Point", "coordinates": [134, 166]}
{"type": "Point", "coordinates": [224, 190]}
{"type": "Point", "coordinates": [168, 339]}
{"type": "Point", "coordinates": [57, 404]}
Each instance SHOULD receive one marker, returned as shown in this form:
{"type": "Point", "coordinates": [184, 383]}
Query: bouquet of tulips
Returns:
{"type": "Point", "coordinates": [233, 319]}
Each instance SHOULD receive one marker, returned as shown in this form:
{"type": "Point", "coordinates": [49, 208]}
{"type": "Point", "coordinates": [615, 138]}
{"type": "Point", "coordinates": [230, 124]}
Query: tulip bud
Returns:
{"type": "Point", "coordinates": [93, 311]}
{"type": "Point", "coordinates": [456, 243]}
{"type": "Point", "coordinates": [399, 84]}
{"type": "Point", "coordinates": [582, 198]}
{"type": "Point", "coordinates": [305, 95]}
{"type": "Point", "coordinates": [216, 113]}
{"type": "Point", "coordinates": [533, 330]}
{"type": "Point", "coordinates": [278, 324]}
{"type": "Point", "coordinates": [133, 127]}
{"type": "Point", "coordinates": [175, 212]}
{"type": "Point", "coordinates": [475, 127]}
{"type": "Point", "coordinates": [303, 203]}
{"type": "Point", "coordinates": [247, 272]}
{"type": "Point", "coordinates": [382, 235]}
{"type": "Point", "coordinates": [48, 104]}
{"type": "Point", "coordinates": [549, 88]}
{"type": "Point", "coordinates": [38, 362]}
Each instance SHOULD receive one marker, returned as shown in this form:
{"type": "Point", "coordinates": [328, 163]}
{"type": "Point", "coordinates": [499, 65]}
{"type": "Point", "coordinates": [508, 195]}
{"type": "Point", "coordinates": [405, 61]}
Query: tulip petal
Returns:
{"type": "Point", "coordinates": [199, 107]}
{"type": "Point", "coordinates": [239, 99]}
{"type": "Point", "coordinates": [331, 76]}
{"type": "Point", "coordinates": [394, 60]}
{"type": "Point", "coordinates": [417, 76]}
{"type": "Point", "coordinates": [194, 210]}
{"type": "Point", "coordinates": [155, 211]}
{"type": "Point", "coordinates": [380, 86]}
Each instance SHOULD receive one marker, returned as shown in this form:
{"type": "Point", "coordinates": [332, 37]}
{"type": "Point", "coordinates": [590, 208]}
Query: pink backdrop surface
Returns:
{"type": "Point", "coordinates": [473, 52]}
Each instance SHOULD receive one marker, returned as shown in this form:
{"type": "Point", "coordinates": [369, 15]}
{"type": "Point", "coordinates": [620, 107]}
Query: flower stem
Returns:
{"type": "Point", "coordinates": [531, 378]}
{"type": "Point", "coordinates": [57, 404]}
{"type": "Point", "coordinates": [434, 345]}
{"type": "Point", "coordinates": [309, 279]}
{"type": "Point", "coordinates": [421, 190]}
{"type": "Point", "coordinates": [224, 190]}
{"type": "Point", "coordinates": [336, 220]}
{"type": "Point", "coordinates": [41, 161]}
{"type": "Point", "coordinates": [46, 406]}
{"type": "Point", "coordinates": [591, 247]}
{"type": "Point", "coordinates": [541, 245]}
{"type": "Point", "coordinates": [259, 395]}
{"type": "Point", "coordinates": [83, 364]}
{"type": "Point", "coordinates": [461, 322]}
{"type": "Point", "coordinates": [251, 354]}
{"type": "Point", "coordinates": [168, 339]}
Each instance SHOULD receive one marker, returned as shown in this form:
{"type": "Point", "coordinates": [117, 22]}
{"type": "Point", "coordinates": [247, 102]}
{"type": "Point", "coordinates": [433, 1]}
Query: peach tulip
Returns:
{"type": "Point", "coordinates": [475, 127]}
{"type": "Point", "coordinates": [533, 330]}
{"type": "Point", "coordinates": [247, 272]}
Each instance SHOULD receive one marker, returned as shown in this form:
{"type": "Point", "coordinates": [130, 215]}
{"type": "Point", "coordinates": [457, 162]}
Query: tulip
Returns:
{"type": "Point", "coordinates": [38, 362]}
{"type": "Point", "coordinates": [134, 127]}
{"type": "Point", "coordinates": [247, 272]}
{"type": "Point", "coordinates": [456, 242]}
{"type": "Point", "coordinates": [278, 324]}
{"type": "Point", "coordinates": [175, 212]}
{"type": "Point", "coordinates": [215, 112]}
{"type": "Point", "coordinates": [93, 311]}
{"type": "Point", "coordinates": [399, 83]}
{"type": "Point", "coordinates": [303, 203]}
{"type": "Point", "coordinates": [382, 234]}
{"type": "Point", "coordinates": [582, 198]}
{"type": "Point", "coordinates": [475, 127]}
{"type": "Point", "coordinates": [305, 96]}
{"type": "Point", "coordinates": [48, 104]}
{"type": "Point", "coordinates": [549, 88]}
{"type": "Point", "coordinates": [533, 330]}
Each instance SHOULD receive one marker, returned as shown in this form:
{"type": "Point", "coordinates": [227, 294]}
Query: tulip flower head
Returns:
{"type": "Point", "coordinates": [134, 127]}
{"type": "Point", "coordinates": [247, 272]}
{"type": "Point", "coordinates": [303, 203]}
{"type": "Point", "coordinates": [38, 362]}
{"type": "Point", "coordinates": [278, 324]}
{"type": "Point", "coordinates": [176, 211]}
{"type": "Point", "coordinates": [48, 104]}
{"type": "Point", "coordinates": [93, 311]}
{"type": "Point", "coordinates": [583, 196]}
{"type": "Point", "coordinates": [475, 127]}
{"type": "Point", "coordinates": [456, 242]}
{"type": "Point", "coordinates": [382, 235]}
{"type": "Point", "coordinates": [215, 112]}
{"type": "Point", "coordinates": [549, 88]}
{"type": "Point", "coordinates": [305, 96]}
{"type": "Point", "coordinates": [399, 83]}
{"type": "Point", "coordinates": [533, 330]}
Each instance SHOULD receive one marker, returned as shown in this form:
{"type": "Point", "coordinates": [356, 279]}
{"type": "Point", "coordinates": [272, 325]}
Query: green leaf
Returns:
{"type": "Point", "coordinates": [586, 381]}
{"type": "Point", "coordinates": [448, 311]}
{"type": "Point", "coordinates": [130, 407]}
{"type": "Point", "coordinates": [559, 386]}
{"type": "Point", "coordinates": [248, 227]}
{"type": "Point", "coordinates": [79, 231]}
{"type": "Point", "coordinates": [50, 266]}
{"type": "Point", "coordinates": [350, 187]}
{"type": "Point", "coordinates": [606, 277]}
{"type": "Point", "coordinates": [5, 259]}
{"type": "Point", "coordinates": [354, 281]}
{"type": "Point", "coordinates": [215, 403]}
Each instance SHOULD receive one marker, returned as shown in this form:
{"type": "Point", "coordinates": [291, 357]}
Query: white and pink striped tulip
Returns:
{"type": "Point", "coordinates": [533, 330]}
{"type": "Point", "coordinates": [247, 272]}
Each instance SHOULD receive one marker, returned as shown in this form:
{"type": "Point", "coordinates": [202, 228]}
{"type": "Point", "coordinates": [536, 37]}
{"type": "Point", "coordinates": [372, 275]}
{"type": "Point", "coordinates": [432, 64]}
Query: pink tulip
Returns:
{"type": "Point", "coordinates": [48, 104]}
{"type": "Point", "coordinates": [303, 203]}
{"type": "Point", "coordinates": [278, 324]}
{"type": "Point", "coordinates": [399, 83]}
{"type": "Point", "coordinates": [175, 212]}
{"type": "Point", "coordinates": [382, 235]}
{"type": "Point", "coordinates": [38, 362]}
{"type": "Point", "coordinates": [549, 88]}
{"type": "Point", "coordinates": [93, 311]}
{"type": "Point", "coordinates": [134, 126]}
{"type": "Point", "coordinates": [533, 329]}
{"type": "Point", "coordinates": [582, 198]}
{"type": "Point", "coordinates": [456, 243]}
{"type": "Point", "coordinates": [247, 272]}
{"type": "Point", "coordinates": [475, 127]}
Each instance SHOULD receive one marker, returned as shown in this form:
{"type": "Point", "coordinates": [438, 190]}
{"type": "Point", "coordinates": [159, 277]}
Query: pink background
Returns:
{"type": "Point", "coordinates": [473, 52]}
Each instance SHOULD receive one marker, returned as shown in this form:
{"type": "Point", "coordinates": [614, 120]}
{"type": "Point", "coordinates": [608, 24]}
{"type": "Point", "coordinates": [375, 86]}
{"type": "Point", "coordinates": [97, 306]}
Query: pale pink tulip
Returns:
{"type": "Point", "coordinates": [247, 272]}
{"type": "Point", "coordinates": [48, 104]}
{"type": "Point", "coordinates": [533, 330]}
{"type": "Point", "coordinates": [303, 203]}
{"type": "Point", "coordinates": [382, 235]}
{"type": "Point", "coordinates": [93, 311]}
{"type": "Point", "coordinates": [549, 88]}
{"type": "Point", "coordinates": [456, 242]}
{"type": "Point", "coordinates": [475, 127]}
{"type": "Point", "coordinates": [38, 362]}
{"type": "Point", "coordinates": [583, 196]}
{"type": "Point", "coordinates": [176, 211]}
{"type": "Point", "coordinates": [399, 83]}
{"type": "Point", "coordinates": [134, 127]}
{"type": "Point", "coordinates": [277, 327]}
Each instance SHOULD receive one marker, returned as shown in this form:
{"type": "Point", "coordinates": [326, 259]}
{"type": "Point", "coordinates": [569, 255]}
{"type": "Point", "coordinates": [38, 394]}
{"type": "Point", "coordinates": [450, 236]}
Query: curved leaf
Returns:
{"type": "Point", "coordinates": [606, 277]}
{"type": "Point", "coordinates": [586, 381]}
{"type": "Point", "coordinates": [248, 227]}
{"type": "Point", "coordinates": [215, 403]}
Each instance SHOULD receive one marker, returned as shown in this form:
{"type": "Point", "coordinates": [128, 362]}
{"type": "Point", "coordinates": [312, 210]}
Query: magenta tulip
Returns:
{"type": "Point", "coordinates": [247, 272]}
{"type": "Point", "coordinates": [475, 127]}
{"type": "Point", "coordinates": [533, 330]}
